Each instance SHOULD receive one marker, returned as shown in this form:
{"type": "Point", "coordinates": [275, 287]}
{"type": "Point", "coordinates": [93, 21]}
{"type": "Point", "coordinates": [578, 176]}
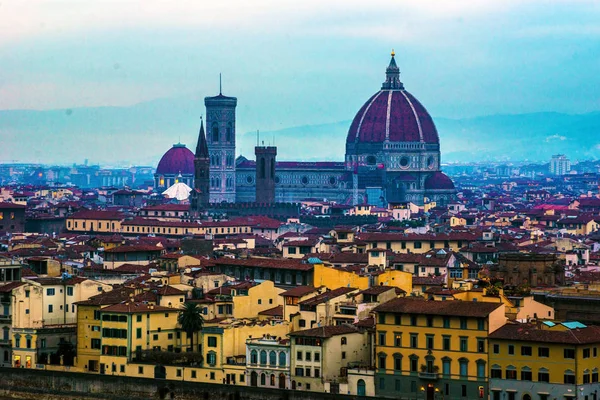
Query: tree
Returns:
{"type": "Point", "coordinates": [191, 320]}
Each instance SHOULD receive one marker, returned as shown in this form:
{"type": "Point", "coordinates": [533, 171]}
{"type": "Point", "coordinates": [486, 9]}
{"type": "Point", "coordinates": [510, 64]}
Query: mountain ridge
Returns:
{"type": "Point", "coordinates": [112, 135]}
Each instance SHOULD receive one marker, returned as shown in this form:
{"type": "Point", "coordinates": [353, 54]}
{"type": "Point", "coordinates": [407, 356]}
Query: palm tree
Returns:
{"type": "Point", "coordinates": [191, 320]}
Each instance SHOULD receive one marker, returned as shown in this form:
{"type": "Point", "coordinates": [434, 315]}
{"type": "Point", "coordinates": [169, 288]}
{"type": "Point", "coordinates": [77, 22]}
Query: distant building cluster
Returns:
{"type": "Point", "coordinates": [560, 165]}
{"type": "Point", "coordinates": [379, 276]}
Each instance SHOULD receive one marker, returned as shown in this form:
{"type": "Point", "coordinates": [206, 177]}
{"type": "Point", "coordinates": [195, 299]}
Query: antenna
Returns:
{"type": "Point", "coordinates": [220, 85]}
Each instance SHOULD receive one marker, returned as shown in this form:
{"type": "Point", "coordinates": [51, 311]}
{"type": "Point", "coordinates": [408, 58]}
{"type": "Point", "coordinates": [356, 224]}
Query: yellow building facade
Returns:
{"type": "Point", "coordinates": [544, 361]}
{"type": "Point", "coordinates": [432, 348]}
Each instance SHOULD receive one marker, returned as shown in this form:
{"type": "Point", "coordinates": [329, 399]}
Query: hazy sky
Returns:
{"type": "Point", "coordinates": [302, 62]}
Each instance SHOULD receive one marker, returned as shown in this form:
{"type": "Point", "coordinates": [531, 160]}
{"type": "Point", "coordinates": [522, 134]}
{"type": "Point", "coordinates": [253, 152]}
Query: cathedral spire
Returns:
{"type": "Point", "coordinates": [202, 146]}
{"type": "Point", "coordinates": [392, 75]}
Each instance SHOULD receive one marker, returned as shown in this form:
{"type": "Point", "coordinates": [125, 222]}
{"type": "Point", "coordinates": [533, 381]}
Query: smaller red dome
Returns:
{"type": "Point", "coordinates": [439, 180]}
{"type": "Point", "coordinates": [178, 160]}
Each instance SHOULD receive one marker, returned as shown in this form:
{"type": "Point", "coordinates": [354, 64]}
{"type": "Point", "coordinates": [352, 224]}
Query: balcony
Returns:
{"type": "Point", "coordinates": [430, 376]}
{"type": "Point", "coordinates": [5, 318]}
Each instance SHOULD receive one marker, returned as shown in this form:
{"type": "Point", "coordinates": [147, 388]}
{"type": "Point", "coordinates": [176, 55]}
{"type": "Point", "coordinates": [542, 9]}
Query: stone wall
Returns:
{"type": "Point", "coordinates": [54, 385]}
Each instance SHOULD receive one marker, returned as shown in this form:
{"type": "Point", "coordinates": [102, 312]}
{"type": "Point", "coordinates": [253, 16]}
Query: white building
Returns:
{"type": "Point", "coordinates": [268, 362]}
{"type": "Point", "coordinates": [560, 165]}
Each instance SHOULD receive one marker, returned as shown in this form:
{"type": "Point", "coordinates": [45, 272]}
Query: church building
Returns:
{"type": "Point", "coordinates": [392, 156]}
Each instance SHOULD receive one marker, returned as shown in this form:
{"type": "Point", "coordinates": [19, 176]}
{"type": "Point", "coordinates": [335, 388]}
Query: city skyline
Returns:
{"type": "Point", "coordinates": [293, 63]}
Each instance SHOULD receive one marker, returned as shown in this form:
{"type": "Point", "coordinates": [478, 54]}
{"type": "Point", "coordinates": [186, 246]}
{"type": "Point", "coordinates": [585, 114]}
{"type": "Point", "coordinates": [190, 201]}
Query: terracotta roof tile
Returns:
{"type": "Point", "coordinates": [274, 312]}
{"type": "Point", "coordinates": [326, 296]}
{"type": "Point", "coordinates": [130, 308]}
{"type": "Point", "coordinates": [299, 291]}
{"type": "Point", "coordinates": [407, 305]}
{"type": "Point", "coordinates": [326, 331]}
{"type": "Point", "coordinates": [531, 333]}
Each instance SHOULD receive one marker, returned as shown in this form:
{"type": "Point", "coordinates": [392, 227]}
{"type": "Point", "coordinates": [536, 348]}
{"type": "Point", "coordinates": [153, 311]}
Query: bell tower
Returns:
{"type": "Point", "coordinates": [220, 127]}
{"type": "Point", "coordinates": [265, 173]}
{"type": "Point", "coordinates": [200, 195]}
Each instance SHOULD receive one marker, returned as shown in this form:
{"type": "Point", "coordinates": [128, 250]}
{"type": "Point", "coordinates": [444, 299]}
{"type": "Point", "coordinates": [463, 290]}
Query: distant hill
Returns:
{"type": "Point", "coordinates": [140, 134]}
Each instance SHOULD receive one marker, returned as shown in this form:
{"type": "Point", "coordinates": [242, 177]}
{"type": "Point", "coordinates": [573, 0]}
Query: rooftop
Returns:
{"type": "Point", "coordinates": [407, 305]}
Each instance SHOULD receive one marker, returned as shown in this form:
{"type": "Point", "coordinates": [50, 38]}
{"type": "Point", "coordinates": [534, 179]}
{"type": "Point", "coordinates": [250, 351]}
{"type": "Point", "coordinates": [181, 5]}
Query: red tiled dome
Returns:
{"type": "Point", "coordinates": [392, 114]}
{"type": "Point", "coordinates": [395, 115]}
{"type": "Point", "coordinates": [438, 180]}
{"type": "Point", "coordinates": [178, 160]}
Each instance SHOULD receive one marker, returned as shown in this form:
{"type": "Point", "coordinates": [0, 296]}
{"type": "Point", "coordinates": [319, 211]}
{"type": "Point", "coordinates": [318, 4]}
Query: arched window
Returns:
{"type": "Point", "coordinates": [511, 372]}
{"type": "Point", "coordinates": [481, 369]}
{"type": "Point", "coordinates": [263, 357]}
{"type": "Point", "coordinates": [211, 358]}
{"type": "Point", "coordinates": [229, 132]}
{"type": "Point", "coordinates": [262, 171]}
{"type": "Point", "coordinates": [253, 357]}
{"type": "Point", "coordinates": [215, 132]}
{"type": "Point", "coordinates": [464, 366]}
{"type": "Point", "coordinates": [272, 380]}
{"type": "Point", "coordinates": [272, 169]}
{"type": "Point", "coordinates": [273, 360]}
{"type": "Point", "coordinates": [397, 361]}
{"type": "Point", "coordinates": [569, 377]}
{"type": "Point", "coordinates": [526, 374]}
{"type": "Point", "coordinates": [263, 379]}
{"type": "Point", "coordinates": [282, 359]}
{"type": "Point", "coordinates": [381, 361]}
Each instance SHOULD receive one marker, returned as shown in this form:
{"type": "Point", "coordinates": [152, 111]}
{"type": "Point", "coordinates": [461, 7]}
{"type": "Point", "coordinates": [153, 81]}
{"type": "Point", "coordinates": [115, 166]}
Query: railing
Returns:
{"type": "Point", "coordinates": [59, 321]}
{"type": "Point", "coordinates": [266, 366]}
{"type": "Point", "coordinates": [429, 375]}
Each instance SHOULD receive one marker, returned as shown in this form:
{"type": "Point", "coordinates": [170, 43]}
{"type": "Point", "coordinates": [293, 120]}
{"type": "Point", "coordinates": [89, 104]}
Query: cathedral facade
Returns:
{"type": "Point", "coordinates": [392, 156]}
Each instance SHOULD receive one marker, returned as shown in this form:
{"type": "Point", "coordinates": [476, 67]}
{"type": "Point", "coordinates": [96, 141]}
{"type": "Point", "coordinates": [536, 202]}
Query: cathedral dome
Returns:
{"type": "Point", "coordinates": [392, 114]}
{"type": "Point", "coordinates": [440, 181]}
{"type": "Point", "coordinates": [178, 160]}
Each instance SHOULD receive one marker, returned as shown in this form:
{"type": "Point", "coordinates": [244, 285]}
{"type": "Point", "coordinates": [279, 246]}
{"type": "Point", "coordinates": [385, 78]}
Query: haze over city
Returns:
{"type": "Point", "coordinates": [291, 65]}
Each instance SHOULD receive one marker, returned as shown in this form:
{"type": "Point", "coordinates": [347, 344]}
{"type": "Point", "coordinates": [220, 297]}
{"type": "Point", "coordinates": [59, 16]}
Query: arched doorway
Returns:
{"type": "Point", "coordinates": [272, 380]}
{"type": "Point", "coordinates": [263, 379]}
{"type": "Point", "coordinates": [253, 378]}
{"type": "Point", "coordinates": [282, 381]}
{"type": "Point", "coordinates": [526, 396]}
{"type": "Point", "coordinates": [361, 388]}
{"type": "Point", "coordinates": [293, 385]}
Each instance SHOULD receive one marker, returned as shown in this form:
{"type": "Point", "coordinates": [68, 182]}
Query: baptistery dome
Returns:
{"type": "Point", "coordinates": [178, 160]}
{"type": "Point", "coordinates": [176, 165]}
